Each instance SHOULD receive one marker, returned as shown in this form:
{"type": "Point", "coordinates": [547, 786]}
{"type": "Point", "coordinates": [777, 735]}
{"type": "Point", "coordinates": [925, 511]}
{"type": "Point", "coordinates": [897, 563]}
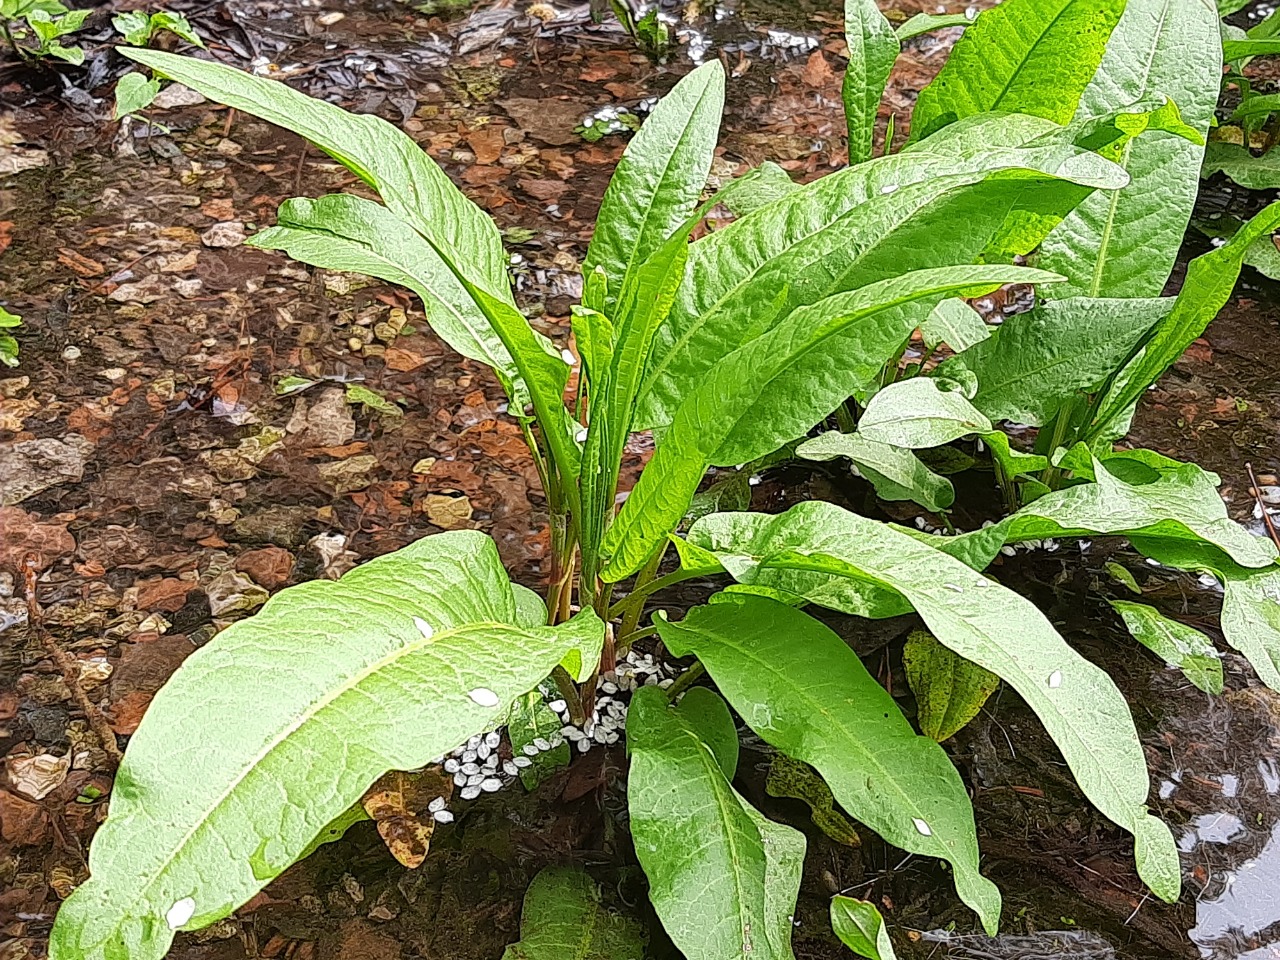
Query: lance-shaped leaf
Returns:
{"type": "Point", "coordinates": [1254, 173]}
{"type": "Point", "coordinates": [1181, 504]}
{"type": "Point", "coordinates": [1024, 56]}
{"type": "Point", "coordinates": [278, 725]}
{"type": "Point", "coordinates": [1175, 643]}
{"type": "Point", "coordinates": [658, 180]}
{"type": "Point", "coordinates": [1250, 603]}
{"type": "Point", "coordinates": [343, 232]}
{"type": "Point", "coordinates": [896, 473]}
{"type": "Point", "coordinates": [1037, 361]}
{"type": "Point", "coordinates": [409, 181]}
{"type": "Point", "coordinates": [823, 553]}
{"type": "Point", "coordinates": [927, 22]}
{"type": "Point", "coordinates": [801, 688]}
{"type": "Point", "coordinates": [723, 879]}
{"type": "Point", "coordinates": [563, 919]}
{"type": "Point", "coordinates": [843, 231]}
{"type": "Point", "coordinates": [873, 47]}
{"type": "Point", "coordinates": [860, 927]}
{"type": "Point", "coordinates": [1124, 244]}
{"type": "Point", "coordinates": [949, 689]}
{"type": "Point", "coordinates": [772, 390]}
{"type": "Point", "coordinates": [1209, 282]}
{"type": "Point", "coordinates": [919, 413]}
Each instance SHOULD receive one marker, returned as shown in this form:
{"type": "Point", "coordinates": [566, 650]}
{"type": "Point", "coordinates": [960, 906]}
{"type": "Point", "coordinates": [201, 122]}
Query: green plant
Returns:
{"type": "Point", "coordinates": [8, 345]}
{"type": "Point", "coordinates": [729, 348]}
{"type": "Point", "coordinates": [138, 27]}
{"type": "Point", "coordinates": [49, 29]}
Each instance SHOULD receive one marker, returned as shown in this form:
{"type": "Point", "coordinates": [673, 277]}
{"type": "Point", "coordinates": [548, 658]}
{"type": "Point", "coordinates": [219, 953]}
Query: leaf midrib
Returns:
{"type": "Point", "coordinates": [938, 607]}
{"type": "Point", "coordinates": [819, 708]}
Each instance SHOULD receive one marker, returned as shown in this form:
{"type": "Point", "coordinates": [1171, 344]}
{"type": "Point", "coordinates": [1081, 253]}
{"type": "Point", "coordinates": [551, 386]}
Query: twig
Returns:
{"type": "Point", "coordinates": [1262, 506]}
{"type": "Point", "coordinates": [68, 666]}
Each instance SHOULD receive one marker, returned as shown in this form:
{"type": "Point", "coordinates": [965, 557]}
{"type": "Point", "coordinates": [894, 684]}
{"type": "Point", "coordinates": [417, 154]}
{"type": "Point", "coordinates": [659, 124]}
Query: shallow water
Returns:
{"type": "Point", "coordinates": [161, 349]}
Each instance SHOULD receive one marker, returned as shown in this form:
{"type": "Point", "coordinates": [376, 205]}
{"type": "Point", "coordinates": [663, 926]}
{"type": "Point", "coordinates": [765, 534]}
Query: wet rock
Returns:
{"type": "Point", "coordinates": [177, 95]}
{"type": "Point", "coordinates": [229, 233]}
{"type": "Point", "coordinates": [30, 466]}
{"type": "Point", "coordinates": [147, 290]}
{"type": "Point", "coordinates": [282, 526]}
{"type": "Point", "coordinates": [22, 534]}
{"type": "Point", "coordinates": [326, 423]}
{"type": "Point", "coordinates": [347, 476]}
{"type": "Point", "coordinates": [46, 724]}
{"type": "Point", "coordinates": [232, 593]}
{"type": "Point", "coordinates": [270, 566]}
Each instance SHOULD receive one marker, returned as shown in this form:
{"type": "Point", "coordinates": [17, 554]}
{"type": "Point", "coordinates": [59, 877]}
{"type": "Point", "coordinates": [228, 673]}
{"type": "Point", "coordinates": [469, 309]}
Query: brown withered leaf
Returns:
{"type": "Point", "coordinates": [398, 803]}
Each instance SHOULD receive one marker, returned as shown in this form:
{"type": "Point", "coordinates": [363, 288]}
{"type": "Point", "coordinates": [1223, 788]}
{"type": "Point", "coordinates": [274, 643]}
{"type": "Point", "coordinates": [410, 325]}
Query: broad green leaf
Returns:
{"type": "Point", "coordinates": [801, 688]}
{"type": "Point", "coordinates": [873, 47]}
{"type": "Point", "coordinates": [1039, 360]}
{"type": "Point", "coordinates": [860, 927]}
{"type": "Point", "coordinates": [1250, 618]}
{"type": "Point", "coordinates": [658, 180]}
{"type": "Point", "coordinates": [1257, 107]}
{"type": "Point", "coordinates": [1124, 244]}
{"type": "Point", "coordinates": [950, 691]}
{"type": "Point", "coordinates": [1238, 163]}
{"type": "Point", "coordinates": [927, 22]}
{"type": "Point", "coordinates": [791, 778]}
{"type": "Point", "coordinates": [825, 553]}
{"type": "Point", "coordinates": [1024, 56]}
{"type": "Point", "coordinates": [722, 878]}
{"type": "Point", "coordinates": [758, 187]}
{"type": "Point", "coordinates": [134, 26]}
{"type": "Point", "coordinates": [708, 716]}
{"type": "Point", "coordinates": [868, 223]}
{"type": "Point", "coordinates": [1209, 282]}
{"type": "Point", "coordinates": [413, 186]}
{"type": "Point", "coordinates": [896, 473]}
{"type": "Point", "coordinates": [954, 323]}
{"type": "Point", "coordinates": [1234, 50]}
{"type": "Point", "coordinates": [233, 773]}
{"type": "Point", "coordinates": [175, 23]}
{"type": "Point", "coordinates": [919, 413]}
{"type": "Point", "coordinates": [563, 919]}
{"type": "Point", "coordinates": [771, 390]}
{"type": "Point", "coordinates": [344, 232]}
{"type": "Point", "coordinates": [1014, 462]}
{"type": "Point", "coordinates": [134, 92]}
{"type": "Point", "coordinates": [1181, 504]}
{"type": "Point", "coordinates": [1175, 643]}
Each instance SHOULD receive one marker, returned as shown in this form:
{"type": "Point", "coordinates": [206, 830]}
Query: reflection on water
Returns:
{"type": "Point", "coordinates": [1247, 911]}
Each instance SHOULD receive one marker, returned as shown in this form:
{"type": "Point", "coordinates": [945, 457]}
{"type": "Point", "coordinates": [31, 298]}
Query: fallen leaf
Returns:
{"type": "Point", "coordinates": [22, 533]}
{"type": "Point", "coordinates": [448, 513]}
{"type": "Point", "coordinates": [270, 566]}
{"type": "Point", "coordinates": [22, 822]}
{"type": "Point", "coordinates": [398, 803]}
{"type": "Point", "coordinates": [487, 143]}
{"type": "Point", "coordinates": [37, 777]}
{"type": "Point", "coordinates": [817, 72]}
